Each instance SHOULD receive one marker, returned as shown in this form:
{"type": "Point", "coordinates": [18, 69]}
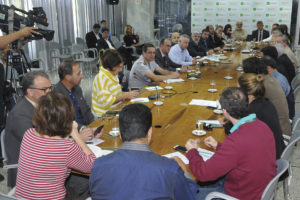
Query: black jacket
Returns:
{"type": "Point", "coordinates": [196, 49]}
{"type": "Point", "coordinates": [166, 63]}
{"type": "Point", "coordinates": [102, 44]}
{"type": "Point", "coordinates": [266, 34]}
{"type": "Point", "coordinates": [209, 43]}
{"type": "Point", "coordinates": [286, 66]}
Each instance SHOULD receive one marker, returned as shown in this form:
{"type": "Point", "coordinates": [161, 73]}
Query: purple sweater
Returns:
{"type": "Point", "coordinates": [247, 157]}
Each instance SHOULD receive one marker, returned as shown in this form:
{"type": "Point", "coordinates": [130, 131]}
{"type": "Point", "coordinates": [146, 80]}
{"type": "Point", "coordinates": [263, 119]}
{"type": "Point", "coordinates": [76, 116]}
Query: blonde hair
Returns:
{"type": "Point", "coordinates": [252, 84]}
{"type": "Point", "coordinates": [125, 29]}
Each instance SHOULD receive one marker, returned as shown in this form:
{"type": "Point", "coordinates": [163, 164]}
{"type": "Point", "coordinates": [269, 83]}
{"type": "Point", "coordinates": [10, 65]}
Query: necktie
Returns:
{"type": "Point", "coordinates": [205, 43]}
{"type": "Point", "coordinates": [261, 35]}
{"type": "Point", "coordinates": [165, 61]}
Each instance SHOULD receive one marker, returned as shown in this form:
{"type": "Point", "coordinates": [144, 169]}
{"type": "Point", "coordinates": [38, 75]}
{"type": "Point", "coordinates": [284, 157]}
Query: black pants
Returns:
{"type": "Point", "coordinates": [77, 187]}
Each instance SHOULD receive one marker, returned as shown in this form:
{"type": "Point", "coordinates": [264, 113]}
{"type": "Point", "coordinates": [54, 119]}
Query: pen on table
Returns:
{"type": "Point", "coordinates": [109, 147]}
{"type": "Point", "coordinates": [109, 136]}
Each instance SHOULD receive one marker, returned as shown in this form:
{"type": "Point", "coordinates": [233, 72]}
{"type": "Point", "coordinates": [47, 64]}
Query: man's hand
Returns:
{"type": "Point", "coordinates": [132, 94]}
{"type": "Point", "coordinates": [210, 52]}
{"type": "Point", "coordinates": [211, 142]}
{"type": "Point", "coordinates": [28, 31]}
{"type": "Point", "coordinates": [87, 134]}
{"type": "Point", "coordinates": [194, 62]}
{"type": "Point", "coordinates": [192, 144]}
{"type": "Point", "coordinates": [174, 75]}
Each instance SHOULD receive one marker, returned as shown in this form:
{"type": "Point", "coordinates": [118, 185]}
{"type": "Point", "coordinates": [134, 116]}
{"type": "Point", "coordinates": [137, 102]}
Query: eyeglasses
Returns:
{"type": "Point", "coordinates": [45, 89]}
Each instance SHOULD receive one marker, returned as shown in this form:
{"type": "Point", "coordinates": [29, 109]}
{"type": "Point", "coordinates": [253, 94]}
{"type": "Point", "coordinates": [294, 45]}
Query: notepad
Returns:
{"type": "Point", "coordinates": [153, 88]}
{"type": "Point", "coordinates": [205, 154]}
{"type": "Point", "coordinates": [98, 152]}
{"type": "Point", "coordinates": [95, 141]}
{"type": "Point", "coordinates": [140, 100]}
{"type": "Point", "coordinates": [201, 102]}
{"type": "Point", "coordinates": [174, 80]}
{"type": "Point", "coordinates": [178, 154]}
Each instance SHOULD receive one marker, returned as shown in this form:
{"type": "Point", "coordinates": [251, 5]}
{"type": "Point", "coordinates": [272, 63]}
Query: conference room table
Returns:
{"type": "Point", "coordinates": [174, 121]}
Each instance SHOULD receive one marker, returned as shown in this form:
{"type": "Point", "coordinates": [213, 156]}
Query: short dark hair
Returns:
{"type": "Point", "coordinates": [53, 115]}
{"type": "Point", "coordinates": [111, 59]}
{"type": "Point", "coordinates": [105, 29]}
{"type": "Point", "coordinates": [28, 79]}
{"type": "Point", "coordinates": [146, 46]}
{"type": "Point", "coordinates": [254, 65]}
{"type": "Point", "coordinates": [162, 41]}
{"type": "Point", "coordinates": [204, 30]}
{"type": "Point", "coordinates": [102, 21]}
{"type": "Point", "coordinates": [235, 102]}
{"type": "Point", "coordinates": [259, 22]}
{"type": "Point", "coordinates": [275, 24]}
{"type": "Point", "coordinates": [66, 68]}
{"type": "Point", "coordinates": [269, 61]}
{"type": "Point", "coordinates": [96, 26]}
{"type": "Point", "coordinates": [270, 51]}
{"type": "Point", "coordinates": [135, 120]}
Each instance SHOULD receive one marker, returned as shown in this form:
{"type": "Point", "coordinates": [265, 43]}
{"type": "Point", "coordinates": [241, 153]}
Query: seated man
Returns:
{"type": "Point", "coordinates": [179, 53]}
{"type": "Point", "coordinates": [239, 34]}
{"type": "Point", "coordinates": [104, 42]}
{"type": "Point", "coordinates": [260, 34]}
{"type": "Point", "coordinates": [174, 38]}
{"type": "Point", "coordinates": [250, 144]}
{"type": "Point", "coordinates": [138, 172]}
{"type": "Point", "coordinates": [194, 48]}
{"type": "Point", "coordinates": [205, 43]}
{"type": "Point", "coordinates": [162, 58]}
{"type": "Point", "coordinates": [92, 37]}
{"type": "Point", "coordinates": [103, 25]}
{"type": "Point", "coordinates": [34, 85]}
{"type": "Point", "coordinates": [210, 28]}
{"type": "Point", "coordinates": [142, 70]}
{"type": "Point", "coordinates": [70, 77]}
{"type": "Point", "coordinates": [274, 28]}
{"type": "Point", "coordinates": [218, 37]}
{"type": "Point", "coordinates": [273, 92]}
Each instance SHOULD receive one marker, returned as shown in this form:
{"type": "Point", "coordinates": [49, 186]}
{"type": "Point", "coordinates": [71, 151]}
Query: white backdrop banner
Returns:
{"type": "Point", "coordinates": [222, 12]}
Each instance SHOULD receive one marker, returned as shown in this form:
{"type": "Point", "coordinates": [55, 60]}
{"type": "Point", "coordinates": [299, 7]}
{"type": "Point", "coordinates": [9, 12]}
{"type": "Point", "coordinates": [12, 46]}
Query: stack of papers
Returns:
{"type": "Point", "coordinates": [175, 80]}
{"type": "Point", "coordinates": [140, 100]}
{"type": "Point", "coordinates": [98, 152]}
{"type": "Point", "coordinates": [154, 88]}
{"type": "Point", "coordinates": [200, 102]}
{"type": "Point", "coordinates": [205, 154]}
{"type": "Point", "coordinates": [209, 122]}
{"type": "Point", "coordinates": [94, 141]}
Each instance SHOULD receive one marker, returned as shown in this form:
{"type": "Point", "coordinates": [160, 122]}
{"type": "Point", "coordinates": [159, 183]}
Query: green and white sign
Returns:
{"type": "Point", "coordinates": [205, 12]}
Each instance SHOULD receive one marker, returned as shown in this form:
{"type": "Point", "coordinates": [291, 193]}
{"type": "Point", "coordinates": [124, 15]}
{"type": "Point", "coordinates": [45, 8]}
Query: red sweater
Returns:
{"type": "Point", "coordinates": [45, 163]}
{"type": "Point", "coordinates": [247, 158]}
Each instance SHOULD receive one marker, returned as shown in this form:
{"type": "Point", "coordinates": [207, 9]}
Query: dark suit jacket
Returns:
{"type": "Point", "coordinates": [210, 45]}
{"type": "Point", "coordinates": [266, 34]}
{"type": "Point", "coordinates": [19, 120]}
{"type": "Point", "coordinates": [102, 44]}
{"type": "Point", "coordinates": [218, 42]}
{"type": "Point", "coordinates": [165, 64]}
{"type": "Point", "coordinates": [196, 49]}
{"type": "Point", "coordinates": [91, 41]}
{"type": "Point", "coordinates": [85, 109]}
{"type": "Point", "coordinates": [286, 66]}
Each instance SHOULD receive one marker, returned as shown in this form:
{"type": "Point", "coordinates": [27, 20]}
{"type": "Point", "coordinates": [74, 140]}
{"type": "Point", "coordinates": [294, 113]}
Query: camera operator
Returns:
{"type": "Point", "coordinates": [4, 42]}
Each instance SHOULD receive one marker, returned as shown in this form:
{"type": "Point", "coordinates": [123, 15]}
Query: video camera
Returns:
{"type": "Point", "coordinates": [10, 21]}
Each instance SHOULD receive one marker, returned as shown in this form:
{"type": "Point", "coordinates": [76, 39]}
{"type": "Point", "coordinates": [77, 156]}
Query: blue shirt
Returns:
{"type": "Point", "coordinates": [179, 56]}
{"type": "Point", "coordinates": [282, 81]}
{"type": "Point", "coordinates": [134, 172]}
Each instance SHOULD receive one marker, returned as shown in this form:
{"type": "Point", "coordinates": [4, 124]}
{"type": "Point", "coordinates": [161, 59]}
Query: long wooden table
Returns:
{"type": "Point", "coordinates": [176, 117]}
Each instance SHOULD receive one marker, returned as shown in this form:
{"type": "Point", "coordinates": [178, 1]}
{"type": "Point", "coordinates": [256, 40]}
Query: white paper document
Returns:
{"type": "Point", "coordinates": [95, 141]}
{"type": "Point", "coordinates": [98, 151]}
{"type": "Point", "coordinates": [175, 80]}
{"type": "Point", "coordinates": [205, 154]}
{"type": "Point", "coordinates": [200, 102]}
{"type": "Point", "coordinates": [153, 88]}
{"type": "Point", "coordinates": [209, 122]}
{"type": "Point", "coordinates": [140, 100]}
{"type": "Point", "coordinates": [178, 154]}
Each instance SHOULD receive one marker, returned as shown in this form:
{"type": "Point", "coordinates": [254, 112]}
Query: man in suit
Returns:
{"type": "Point", "coordinates": [162, 58]}
{"type": "Point", "coordinates": [260, 33]}
{"type": "Point", "coordinates": [134, 164]}
{"type": "Point", "coordinates": [92, 37]}
{"type": "Point", "coordinates": [70, 77]}
{"type": "Point", "coordinates": [194, 48]}
{"type": "Point", "coordinates": [35, 84]}
{"type": "Point", "coordinates": [205, 43]}
{"type": "Point", "coordinates": [105, 42]}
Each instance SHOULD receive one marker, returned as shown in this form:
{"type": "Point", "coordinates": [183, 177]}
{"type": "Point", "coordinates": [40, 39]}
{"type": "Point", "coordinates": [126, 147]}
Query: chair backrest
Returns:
{"type": "Point", "coordinates": [286, 154]}
{"type": "Point", "coordinates": [296, 124]}
{"type": "Point", "coordinates": [295, 81]}
{"type": "Point", "coordinates": [116, 41]}
{"type": "Point", "coordinates": [177, 28]}
{"type": "Point", "coordinates": [282, 166]}
{"type": "Point", "coordinates": [76, 48]}
{"type": "Point", "coordinates": [3, 145]}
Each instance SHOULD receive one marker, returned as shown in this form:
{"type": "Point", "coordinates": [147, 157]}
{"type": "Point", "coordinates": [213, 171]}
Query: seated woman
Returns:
{"type": "Point", "coordinates": [132, 40]}
{"type": "Point", "coordinates": [47, 154]}
{"type": "Point", "coordinates": [106, 92]}
{"type": "Point", "coordinates": [227, 33]}
{"type": "Point", "coordinates": [252, 84]}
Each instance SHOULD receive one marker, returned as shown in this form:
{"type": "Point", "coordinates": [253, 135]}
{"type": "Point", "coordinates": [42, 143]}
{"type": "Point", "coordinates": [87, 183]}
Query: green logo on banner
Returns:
{"type": "Point", "coordinates": [217, 3]}
{"type": "Point", "coordinates": [194, 14]}
{"type": "Point", "coordinates": [268, 3]}
{"type": "Point", "coordinates": [254, 9]}
{"type": "Point", "coordinates": [216, 25]}
{"type": "Point", "coordinates": [217, 14]}
{"type": "Point", "coordinates": [194, 25]}
{"type": "Point", "coordinates": [228, 20]}
{"type": "Point", "coordinates": [267, 26]}
{"type": "Point", "coordinates": [194, 3]}
{"type": "Point", "coordinates": [281, 9]}
{"type": "Point", "coordinates": [205, 9]}
{"type": "Point", "coordinates": [242, 3]}
{"type": "Point", "coordinates": [267, 15]}
{"type": "Point", "coordinates": [253, 20]}
{"type": "Point", "coordinates": [229, 9]}
{"type": "Point", "coordinates": [280, 20]}
{"type": "Point", "coordinates": [205, 20]}
{"type": "Point", "coordinates": [241, 15]}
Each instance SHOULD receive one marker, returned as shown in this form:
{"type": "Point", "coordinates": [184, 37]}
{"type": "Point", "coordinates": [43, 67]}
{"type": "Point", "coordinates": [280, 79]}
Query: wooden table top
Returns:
{"type": "Point", "coordinates": [176, 117]}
